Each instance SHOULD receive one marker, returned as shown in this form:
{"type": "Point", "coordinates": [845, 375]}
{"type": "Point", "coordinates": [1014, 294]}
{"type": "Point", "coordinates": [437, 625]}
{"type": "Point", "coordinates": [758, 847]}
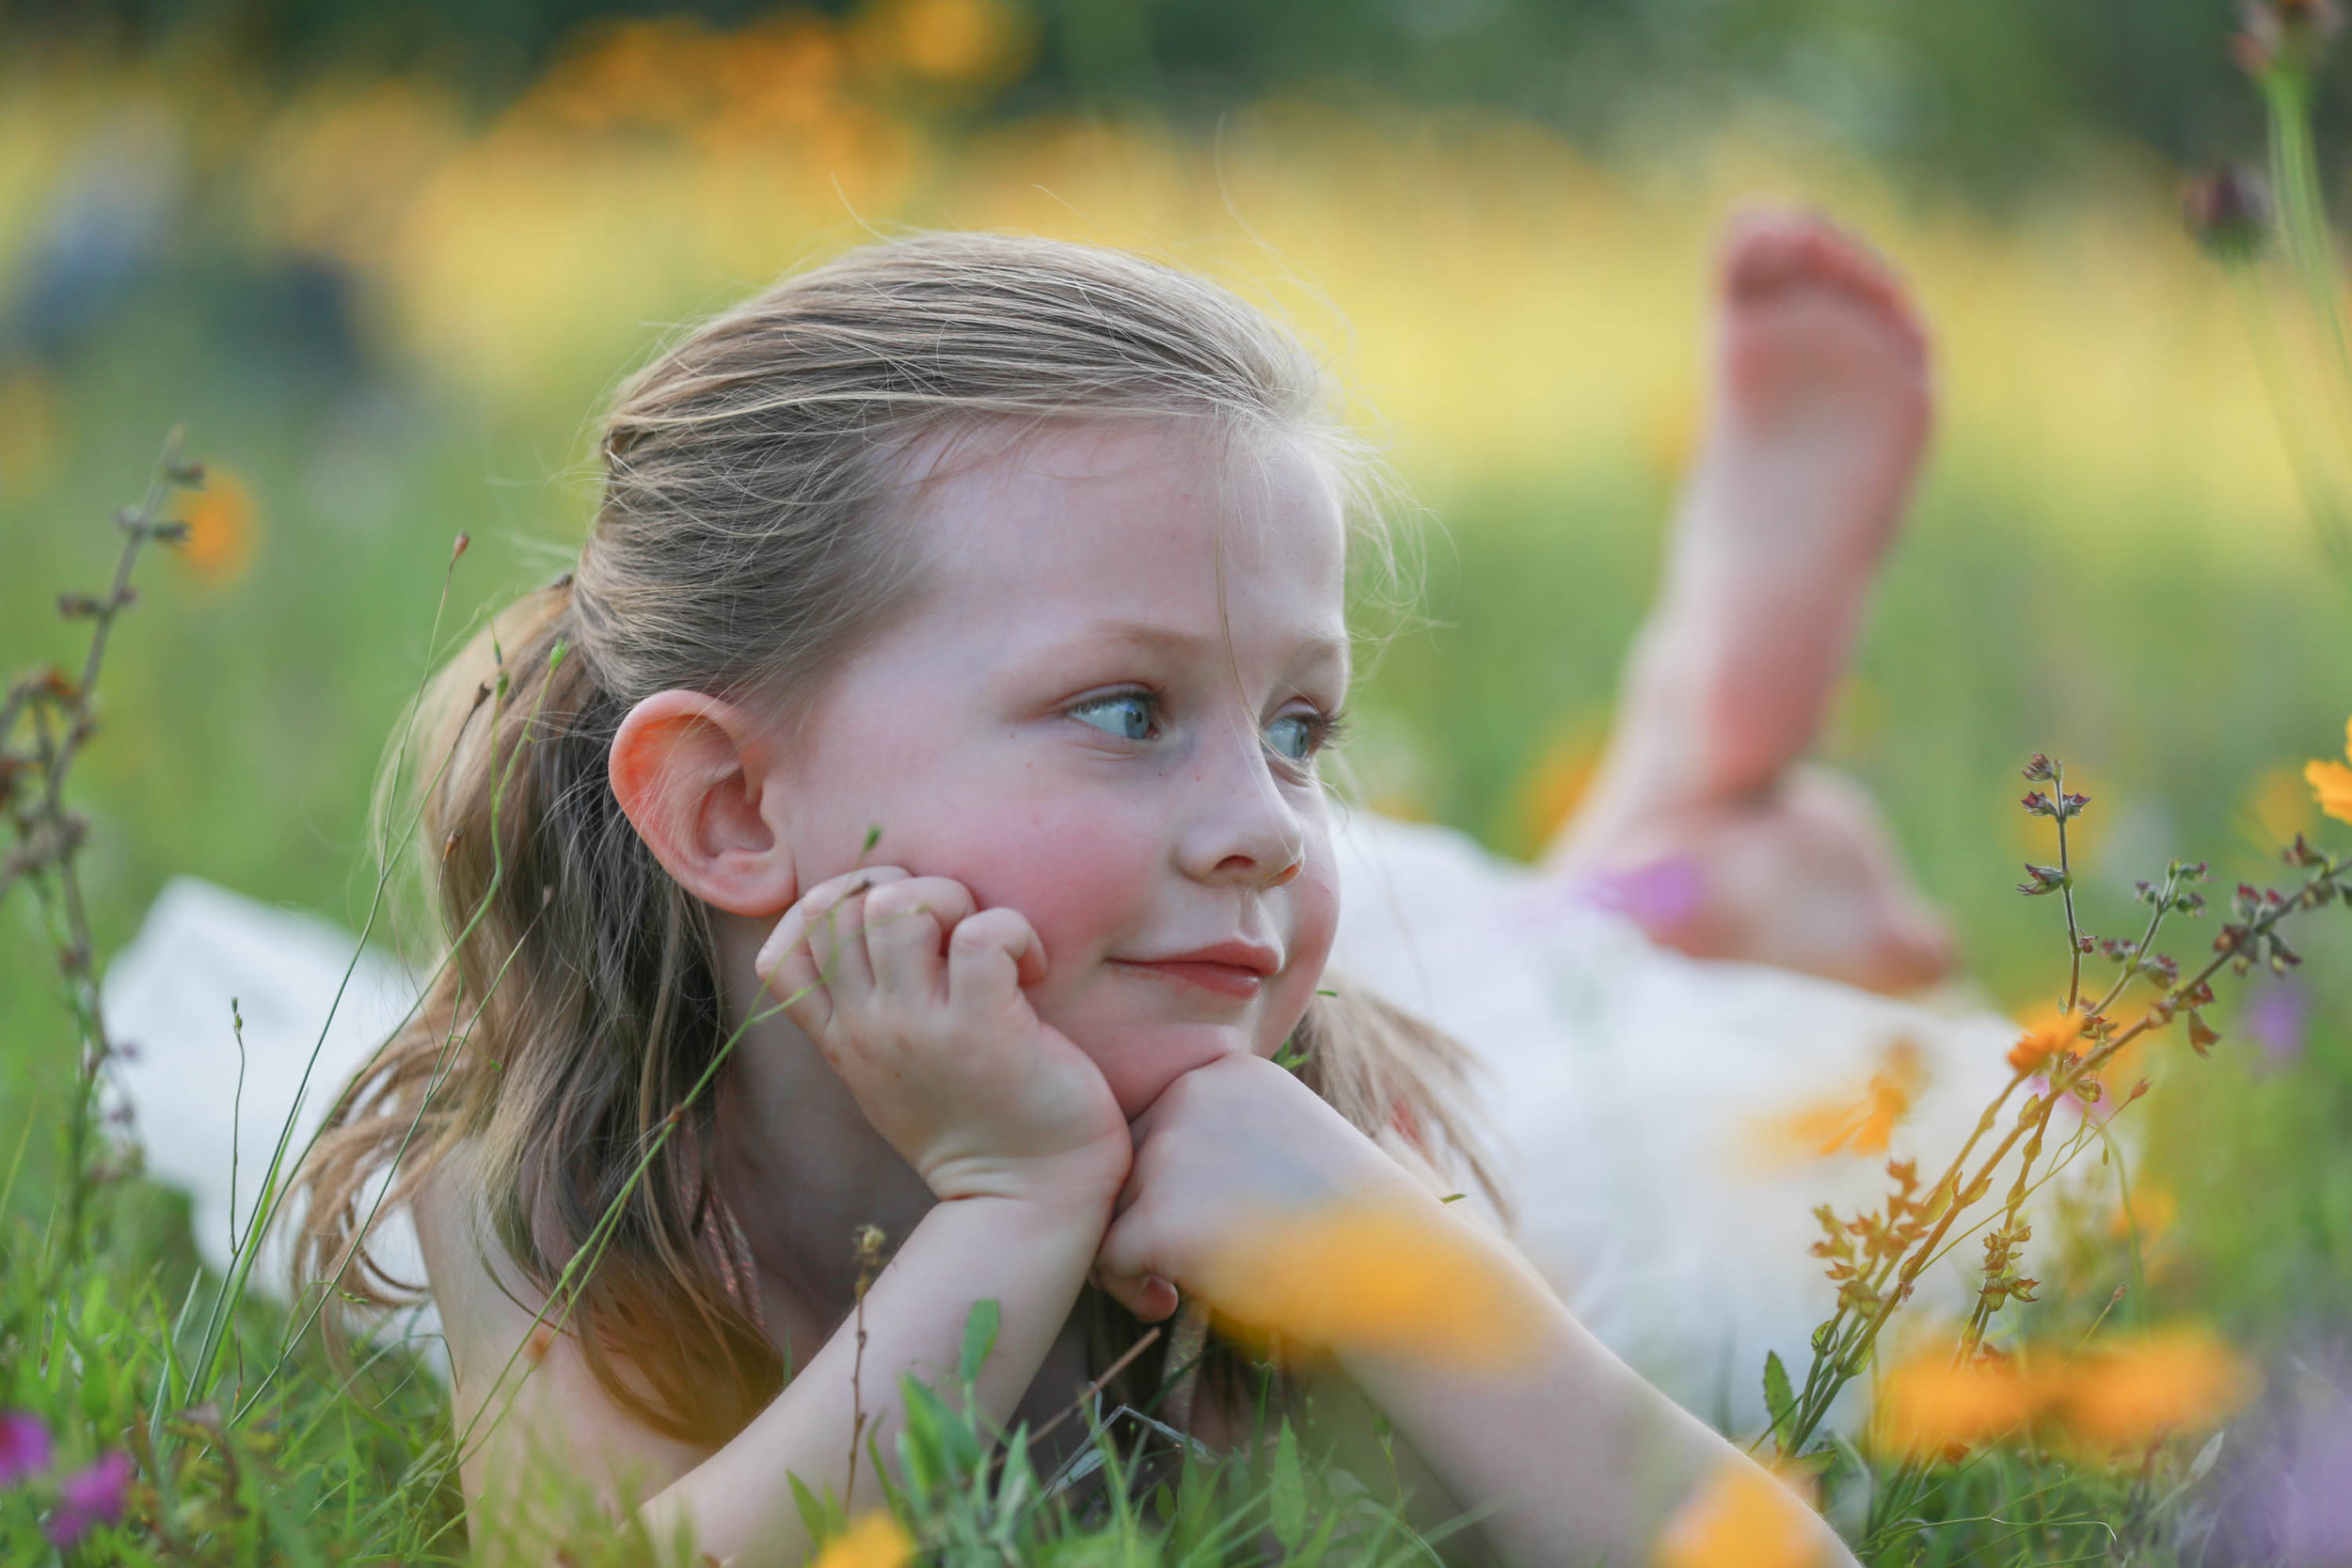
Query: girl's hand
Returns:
{"type": "Point", "coordinates": [914, 995]}
{"type": "Point", "coordinates": [1222, 1144]}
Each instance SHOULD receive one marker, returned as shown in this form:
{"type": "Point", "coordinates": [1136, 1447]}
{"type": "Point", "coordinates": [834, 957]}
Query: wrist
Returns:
{"type": "Point", "coordinates": [1079, 1183]}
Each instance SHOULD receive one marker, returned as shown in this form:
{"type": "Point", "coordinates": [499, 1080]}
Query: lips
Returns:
{"type": "Point", "coordinates": [1234, 969]}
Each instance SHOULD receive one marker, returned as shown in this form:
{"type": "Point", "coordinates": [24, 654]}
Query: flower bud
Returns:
{"type": "Point", "coordinates": [2226, 213]}
{"type": "Point", "coordinates": [2285, 34]}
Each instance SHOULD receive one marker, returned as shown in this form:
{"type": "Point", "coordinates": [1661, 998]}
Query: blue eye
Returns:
{"type": "Point", "coordinates": [1297, 737]}
{"type": "Point", "coordinates": [1128, 715]}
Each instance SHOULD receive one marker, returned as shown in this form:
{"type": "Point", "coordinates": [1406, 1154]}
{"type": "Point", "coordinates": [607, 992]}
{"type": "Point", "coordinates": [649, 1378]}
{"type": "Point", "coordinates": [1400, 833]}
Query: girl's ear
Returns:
{"type": "Point", "coordinates": [693, 774]}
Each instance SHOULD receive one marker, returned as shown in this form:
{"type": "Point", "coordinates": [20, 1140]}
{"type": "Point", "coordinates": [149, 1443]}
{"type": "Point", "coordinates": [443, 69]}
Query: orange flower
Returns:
{"type": "Point", "coordinates": [2332, 782]}
{"type": "Point", "coordinates": [876, 1541]}
{"type": "Point", "coordinates": [2175, 1380]}
{"type": "Point", "coordinates": [950, 42]}
{"type": "Point", "coordinates": [1371, 1276]}
{"type": "Point", "coordinates": [1863, 1125]}
{"type": "Point", "coordinates": [1740, 1518]}
{"type": "Point", "coordinates": [2047, 1032]}
{"type": "Point", "coordinates": [223, 523]}
{"type": "Point", "coordinates": [1928, 1405]}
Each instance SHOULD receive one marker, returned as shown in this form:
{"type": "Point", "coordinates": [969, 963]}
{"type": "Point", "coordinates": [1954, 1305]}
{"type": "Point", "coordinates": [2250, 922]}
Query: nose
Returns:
{"type": "Point", "coordinates": [1244, 830]}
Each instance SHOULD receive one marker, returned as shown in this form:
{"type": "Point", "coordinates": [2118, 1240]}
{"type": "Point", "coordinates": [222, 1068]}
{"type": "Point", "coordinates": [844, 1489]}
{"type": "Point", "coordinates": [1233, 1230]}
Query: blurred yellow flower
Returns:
{"type": "Point", "coordinates": [2152, 1211]}
{"type": "Point", "coordinates": [1739, 1518]}
{"type": "Point", "coordinates": [950, 40]}
{"type": "Point", "coordinates": [1371, 1276]}
{"type": "Point", "coordinates": [2178, 1379]}
{"type": "Point", "coordinates": [224, 524]}
{"type": "Point", "coordinates": [2044, 1034]}
{"type": "Point", "coordinates": [2280, 804]}
{"type": "Point", "coordinates": [1547, 794]}
{"type": "Point", "coordinates": [876, 1541]}
{"type": "Point", "coordinates": [2332, 782]}
{"type": "Point", "coordinates": [1929, 1404]}
{"type": "Point", "coordinates": [1862, 1124]}
{"type": "Point", "coordinates": [29, 437]}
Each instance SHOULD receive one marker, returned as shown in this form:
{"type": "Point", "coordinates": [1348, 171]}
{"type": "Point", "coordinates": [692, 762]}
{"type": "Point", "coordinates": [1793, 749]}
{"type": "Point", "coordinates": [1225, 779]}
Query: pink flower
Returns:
{"type": "Point", "coordinates": [23, 1447]}
{"type": "Point", "coordinates": [91, 1496]}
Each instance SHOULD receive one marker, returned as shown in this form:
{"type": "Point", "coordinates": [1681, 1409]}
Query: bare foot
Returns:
{"type": "Point", "coordinates": [1817, 415]}
{"type": "Point", "coordinates": [1803, 876]}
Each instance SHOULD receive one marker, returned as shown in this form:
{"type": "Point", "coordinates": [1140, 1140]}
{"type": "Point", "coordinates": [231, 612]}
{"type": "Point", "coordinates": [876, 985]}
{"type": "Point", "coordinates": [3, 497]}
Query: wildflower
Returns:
{"type": "Point", "coordinates": [1739, 1518]}
{"type": "Point", "coordinates": [89, 1498]}
{"type": "Point", "coordinates": [2308, 1503]}
{"type": "Point", "coordinates": [950, 41]}
{"type": "Point", "coordinates": [2278, 1016]}
{"type": "Point", "coordinates": [2226, 213]}
{"type": "Point", "coordinates": [1863, 1125]}
{"type": "Point", "coordinates": [23, 1447]}
{"type": "Point", "coordinates": [876, 1541]}
{"type": "Point", "coordinates": [1371, 1277]}
{"type": "Point", "coordinates": [223, 523]}
{"type": "Point", "coordinates": [2332, 782]}
{"type": "Point", "coordinates": [2152, 1211]}
{"type": "Point", "coordinates": [2046, 1034]}
{"type": "Point", "coordinates": [2287, 35]}
{"type": "Point", "coordinates": [1931, 1404]}
{"type": "Point", "coordinates": [2180, 1379]}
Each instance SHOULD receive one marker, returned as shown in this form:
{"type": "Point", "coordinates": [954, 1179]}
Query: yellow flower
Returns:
{"type": "Point", "coordinates": [876, 1541]}
{"type": "Point", "coordinates": [1371, 1276]}
{"type": "Point", "coordinates": [1740, 1518]}
{"type": "Point", "coordinates": [2178, 1379]}
{"type": "Point", "coordinates": [2043, 1035]}
{"type": "Point", "coordinates": [1929, 1405]}
{"type": "Point", "coordinates": [1844, 1122]}
{"type": "Point", "coordinates": [2332, 782]}
{"type": "Point", "coordinates": [223, 523]}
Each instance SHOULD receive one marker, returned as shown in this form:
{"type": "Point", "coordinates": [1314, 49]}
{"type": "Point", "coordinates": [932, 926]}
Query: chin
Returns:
{"type": "Point", "coordinates": [1142, 1060]}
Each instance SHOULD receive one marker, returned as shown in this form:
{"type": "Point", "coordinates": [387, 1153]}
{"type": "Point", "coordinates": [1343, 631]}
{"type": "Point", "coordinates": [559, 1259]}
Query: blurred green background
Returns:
{"type": "Point", "coordinates": [384, 261]}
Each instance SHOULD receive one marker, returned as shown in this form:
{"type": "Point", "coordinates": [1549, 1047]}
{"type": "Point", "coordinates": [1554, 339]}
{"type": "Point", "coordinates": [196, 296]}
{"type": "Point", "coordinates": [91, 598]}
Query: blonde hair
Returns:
{"type": "Point", "coordinates": [743, 539]}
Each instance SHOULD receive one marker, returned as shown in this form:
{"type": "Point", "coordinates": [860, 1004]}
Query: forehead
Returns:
{"type": "Point", "coordinates": [1151, 521]}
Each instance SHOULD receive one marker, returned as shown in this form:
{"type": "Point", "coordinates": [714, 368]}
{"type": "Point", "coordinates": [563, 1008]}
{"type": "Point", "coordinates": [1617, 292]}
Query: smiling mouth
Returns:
{"type": "Point", "coordinates": [1238, 981]}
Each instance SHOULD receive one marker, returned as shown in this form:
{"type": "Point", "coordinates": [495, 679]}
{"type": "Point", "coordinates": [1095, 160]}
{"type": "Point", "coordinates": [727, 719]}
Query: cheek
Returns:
{"type": "Point", "coordinates": [1082, 871]}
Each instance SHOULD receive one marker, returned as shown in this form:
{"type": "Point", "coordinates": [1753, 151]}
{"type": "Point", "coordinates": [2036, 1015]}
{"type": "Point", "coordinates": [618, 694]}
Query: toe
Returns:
{"type": "Point", "coordinates": [1762, 251]}
{"type": "Point", "coordinates": [1835, 259]}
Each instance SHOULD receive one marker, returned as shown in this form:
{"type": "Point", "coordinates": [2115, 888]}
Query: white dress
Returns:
{"type": "Point", "coordinates": [1632, 1092]}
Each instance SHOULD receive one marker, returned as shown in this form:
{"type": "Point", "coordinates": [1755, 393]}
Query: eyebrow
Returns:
{"type": "Point", "coordinates": [1144, 634]}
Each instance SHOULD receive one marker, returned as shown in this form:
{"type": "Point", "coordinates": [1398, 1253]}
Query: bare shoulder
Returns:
{"type": "Point", "coordinates": [524, 1397]}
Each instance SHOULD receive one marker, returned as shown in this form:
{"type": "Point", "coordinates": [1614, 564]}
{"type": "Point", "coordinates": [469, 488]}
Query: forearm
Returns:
{"type": "Point", "coordinates": [1031, 1259]}
{"type": "Point", "coordinates": [1578, 1459]}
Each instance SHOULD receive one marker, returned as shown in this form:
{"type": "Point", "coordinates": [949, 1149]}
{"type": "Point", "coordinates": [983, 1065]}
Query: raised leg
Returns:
{"type": "Point", "coordinates": [1818, 411]}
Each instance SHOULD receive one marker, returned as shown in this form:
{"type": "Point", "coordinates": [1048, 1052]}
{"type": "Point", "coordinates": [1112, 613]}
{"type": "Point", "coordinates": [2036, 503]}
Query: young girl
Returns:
{"type": "Point", "coordinates": [949, 659]}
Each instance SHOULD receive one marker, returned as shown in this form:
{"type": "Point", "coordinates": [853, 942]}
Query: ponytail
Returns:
{"type": "Point", "coordinates": [559, 928]}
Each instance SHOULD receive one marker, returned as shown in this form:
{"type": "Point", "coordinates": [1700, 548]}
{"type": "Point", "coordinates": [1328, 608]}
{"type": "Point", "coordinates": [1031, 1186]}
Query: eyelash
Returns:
{"type": "Point", "coordinates": [1324, 730]}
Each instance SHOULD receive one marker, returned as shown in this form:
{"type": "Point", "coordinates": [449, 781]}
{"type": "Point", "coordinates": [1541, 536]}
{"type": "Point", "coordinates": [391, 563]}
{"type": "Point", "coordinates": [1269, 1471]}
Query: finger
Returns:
{"type": "Point", "coordinates": [1124, 1271]}
{"type": "Point", "coordinates": [991, 955]}
{"type": "Point", "coordinates": [1149, 1298]}
{"type": "Point", "coordinates": [906, 933]}
{"type": "Point", "coordinates": [793, 929]}
{"type": "Point", "coordinates": [789, 972]}
{"type": "Point", "coordinates": [835, 931]}
{"type": "Point", "coordinates": [795, 985]}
